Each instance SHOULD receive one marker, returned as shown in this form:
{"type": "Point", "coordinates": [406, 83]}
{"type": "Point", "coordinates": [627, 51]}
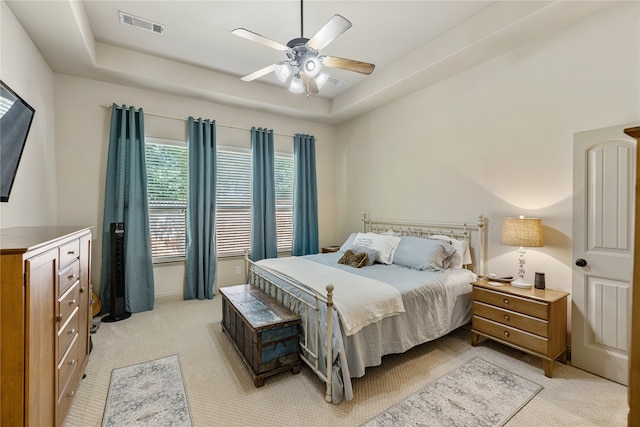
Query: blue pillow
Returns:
{"type": "Point", "coordinates": [423, 254]}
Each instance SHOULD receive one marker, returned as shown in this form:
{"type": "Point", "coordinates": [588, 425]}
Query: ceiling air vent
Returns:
{"type": "Point", "coordinates": [336, 82]}
{"type": "Point", "coordinates": [143, 24]}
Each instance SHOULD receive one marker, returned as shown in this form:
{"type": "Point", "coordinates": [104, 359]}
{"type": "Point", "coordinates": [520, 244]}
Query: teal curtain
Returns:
{"type": "Point", "coordinates": [305, 196]}
{"type": "Point", "coordinates": [264, 243]}
{"type": "Point", "coordinates": [125, 200]}
{"type": "Point", "coordinates": [200, 271]}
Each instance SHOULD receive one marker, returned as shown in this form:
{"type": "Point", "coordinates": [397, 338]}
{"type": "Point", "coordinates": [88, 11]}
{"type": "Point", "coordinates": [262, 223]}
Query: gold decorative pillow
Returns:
{"type": "Point", "coordinates": [353, 259]}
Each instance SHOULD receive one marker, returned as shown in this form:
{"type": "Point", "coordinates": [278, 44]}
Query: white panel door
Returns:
{"type": "Point", "coordinates": [603, 218]}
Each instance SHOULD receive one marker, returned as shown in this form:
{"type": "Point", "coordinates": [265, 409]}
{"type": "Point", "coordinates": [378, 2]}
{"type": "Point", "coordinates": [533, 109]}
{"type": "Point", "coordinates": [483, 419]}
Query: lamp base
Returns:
{"type": "Point", "coordinates": [520, 283]}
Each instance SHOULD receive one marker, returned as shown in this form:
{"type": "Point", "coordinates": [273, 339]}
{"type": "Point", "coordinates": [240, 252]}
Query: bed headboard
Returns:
{"type": "Point", "coordinates": [474, 233]}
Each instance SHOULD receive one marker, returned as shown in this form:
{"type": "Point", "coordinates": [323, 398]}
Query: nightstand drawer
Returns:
{"type": "Point", "coordinates": [511, 335]}
{"type": "Point", "coordinates": [513, 303]}
{"type": "Point", "coordinates": [511, 318]}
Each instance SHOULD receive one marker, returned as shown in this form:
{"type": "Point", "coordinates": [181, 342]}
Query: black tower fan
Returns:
{"type": "Point", "coordinates": [116, 239]}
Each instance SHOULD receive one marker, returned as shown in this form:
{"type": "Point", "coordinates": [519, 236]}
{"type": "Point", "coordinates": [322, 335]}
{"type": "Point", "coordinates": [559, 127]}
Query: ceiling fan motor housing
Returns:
{"type": "Point", "coordinates": [301, 41]}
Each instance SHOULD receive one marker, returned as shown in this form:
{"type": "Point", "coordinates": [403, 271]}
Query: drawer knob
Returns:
{"type": "Point", "coordinates": [506, 333]}
{"type": "Point", "coordinates": [72, 331]}
{"type": "Point", "coordinates": [70, 394]}
{"type": "Point", "coordinates": [71, 277]}
{"type": "Point", "coordinates": [71, 252]}
{"type": "Point", "coordinates": [72, 362]}
{"type": "Point", "coordinates": [73, 301]}
{"type": "Point", "coordinates": [506, 317]}
{"type": "Point", "coordinates": [506, 301]}
{"type": "Point", "coordinates": [82, 289]}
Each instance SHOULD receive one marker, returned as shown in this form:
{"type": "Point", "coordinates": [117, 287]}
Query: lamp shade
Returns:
{"type": "Point", "coordinates": [522, 232]}
{"type": "Point", "coordinates": [296, 84]}
{"type": "Point", "coordinates": [311, 66]}
{"type": "Point", "coordinates": [283, 71]}
{"type": "Point", "coordinates": [321, 79]}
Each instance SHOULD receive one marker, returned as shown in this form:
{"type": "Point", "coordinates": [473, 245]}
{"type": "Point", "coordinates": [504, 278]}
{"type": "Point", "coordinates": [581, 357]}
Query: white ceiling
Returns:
{"type": "Point", "coordinates": [412, 44]}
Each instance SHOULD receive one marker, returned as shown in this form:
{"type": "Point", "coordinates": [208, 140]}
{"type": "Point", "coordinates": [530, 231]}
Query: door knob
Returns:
{"type": "Point", "coordinates": [581, 262]}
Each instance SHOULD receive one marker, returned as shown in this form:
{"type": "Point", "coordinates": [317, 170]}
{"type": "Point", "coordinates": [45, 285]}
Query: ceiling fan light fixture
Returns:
{"type": "Point", "coordinates": [283, 71]}
{"type": "Point", "coordinates": [321, 79]}
{"type": "Point", "coordinates": [311, 66]}
{"type": "Point", "coordinates": [304, 61]}
{"type": "Point", "coordinates": [296, 84]}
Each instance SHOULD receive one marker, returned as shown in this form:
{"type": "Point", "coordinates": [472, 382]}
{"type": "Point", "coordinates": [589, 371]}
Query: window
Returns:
{"type": "Point", "coordinates": [167, 184]}
{"type": "Point", "coordinates": [233, 208]}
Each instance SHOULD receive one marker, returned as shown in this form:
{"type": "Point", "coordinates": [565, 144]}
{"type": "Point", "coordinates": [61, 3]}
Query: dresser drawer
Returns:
{"type": "Point", "coordinates": [68, 304]}
{"type": "Point", "coordinates": [68, 276]}
{"type": "Point", "coordinates": [67, 334]}
{"type": "Point", "coordinates": [68, 379]}
{"type": "Point", "coordinates": [67, 368]}
{"type": "Point", "coordinates": [511, 318]}
{"type": "Point", "coordinates": [511, 335]}
{"type": "Point", "coordinates": [69, 252]}
{"type": "Point", "coordinates": [510, 302]}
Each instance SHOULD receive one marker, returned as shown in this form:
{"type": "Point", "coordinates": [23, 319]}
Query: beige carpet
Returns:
{"type": "Point", "coordinates": [221, 392]}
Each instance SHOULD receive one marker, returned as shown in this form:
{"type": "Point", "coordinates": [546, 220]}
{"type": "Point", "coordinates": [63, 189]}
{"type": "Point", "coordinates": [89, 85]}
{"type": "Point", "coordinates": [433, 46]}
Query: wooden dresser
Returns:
{"type": "Point", "coordinates": [44, 321]}
{"type": "Point", "coordinates": [263, 331]}
{"type": "Point", "coordinates": [531, 320]}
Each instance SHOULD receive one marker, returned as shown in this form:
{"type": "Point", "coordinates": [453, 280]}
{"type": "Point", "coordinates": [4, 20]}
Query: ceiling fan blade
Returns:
{"type": "Point", "coordinates": [250, 35]}
{"type": "Point", "coordinates": [259, 73]}
{"type": "Point", "coordinates": [328, 33]}
{"type": "Point", "coordinates": [348, 64]}
{"type": "Point", "coordinates": [309, 84]}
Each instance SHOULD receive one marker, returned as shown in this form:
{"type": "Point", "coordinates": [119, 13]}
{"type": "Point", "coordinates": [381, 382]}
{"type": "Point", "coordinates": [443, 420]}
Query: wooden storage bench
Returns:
{"type": "Point", "coordinates": [263, 331]}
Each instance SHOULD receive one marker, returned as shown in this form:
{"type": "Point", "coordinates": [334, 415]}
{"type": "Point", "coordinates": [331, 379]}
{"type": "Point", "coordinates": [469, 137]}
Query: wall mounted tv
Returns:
{"type": "Point", "coordinates": [15, 121]}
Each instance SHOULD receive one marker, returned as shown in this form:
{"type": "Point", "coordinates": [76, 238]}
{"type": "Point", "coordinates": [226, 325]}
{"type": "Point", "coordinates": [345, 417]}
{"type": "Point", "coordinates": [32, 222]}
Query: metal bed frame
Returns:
{"type": "Point", "coordinates": [309, 308]}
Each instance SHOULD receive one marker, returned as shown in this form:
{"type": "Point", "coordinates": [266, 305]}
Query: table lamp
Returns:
{"type": "Point", "coordinates": [523, 232]}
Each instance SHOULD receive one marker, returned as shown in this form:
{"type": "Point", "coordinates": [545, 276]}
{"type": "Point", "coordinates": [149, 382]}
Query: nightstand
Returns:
{"type": "Point", "coordinates": [329, 249]}
{"type": "Point", "coordinates": [531, 320]}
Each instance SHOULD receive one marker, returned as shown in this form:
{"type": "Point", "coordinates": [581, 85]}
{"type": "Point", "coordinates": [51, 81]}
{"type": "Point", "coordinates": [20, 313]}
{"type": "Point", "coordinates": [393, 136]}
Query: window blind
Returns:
{"type": "Point", "coordinates": [167, 183]}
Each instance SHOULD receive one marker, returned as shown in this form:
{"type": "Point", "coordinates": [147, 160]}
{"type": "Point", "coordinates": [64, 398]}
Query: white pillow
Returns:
{"type": "Point", "coordinates": [347, 243]}
{"type": "Point", "coordinates": [462, 256]}
{"type": "Point", "coordinates": [384, 244]}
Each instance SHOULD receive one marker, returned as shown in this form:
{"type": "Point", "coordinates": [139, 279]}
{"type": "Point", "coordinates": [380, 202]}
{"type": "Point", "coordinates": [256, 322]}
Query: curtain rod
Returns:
{"type": "Point", "coordinates": [109, 107]}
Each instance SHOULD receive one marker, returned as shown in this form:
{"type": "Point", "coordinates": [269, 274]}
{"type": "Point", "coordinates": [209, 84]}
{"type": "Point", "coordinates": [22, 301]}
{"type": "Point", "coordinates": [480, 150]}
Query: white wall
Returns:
{"type": "Point", "coordinates": [497, 140]}
{"type": "Point", "coordinates": [82, 135]}
{"type": "Point", "coordinates": [33, 197]}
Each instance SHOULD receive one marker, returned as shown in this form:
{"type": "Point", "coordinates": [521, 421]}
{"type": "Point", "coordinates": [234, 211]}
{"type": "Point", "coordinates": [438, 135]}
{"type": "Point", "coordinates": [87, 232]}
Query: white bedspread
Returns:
{"type": "Point", "coordinates": [359, 301]}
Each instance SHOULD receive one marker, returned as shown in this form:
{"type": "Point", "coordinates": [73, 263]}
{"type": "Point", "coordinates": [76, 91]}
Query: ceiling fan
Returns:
{"type": "Point", "coordinates": [304, 61]}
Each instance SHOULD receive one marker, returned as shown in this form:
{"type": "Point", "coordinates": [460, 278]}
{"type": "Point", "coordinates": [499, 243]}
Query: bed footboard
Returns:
{"type": "Point", "coordinates": [306, 303]}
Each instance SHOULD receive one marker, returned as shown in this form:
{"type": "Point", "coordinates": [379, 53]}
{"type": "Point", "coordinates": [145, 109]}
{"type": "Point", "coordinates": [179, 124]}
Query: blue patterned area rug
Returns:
{"type": "Point", "coordinates": [147, 394]}
{"type": "Point", "coordinates": [475, 394]}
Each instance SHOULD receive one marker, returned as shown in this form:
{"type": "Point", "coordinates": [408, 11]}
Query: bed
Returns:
{"type": "Point", "coordinates": [378, 309]}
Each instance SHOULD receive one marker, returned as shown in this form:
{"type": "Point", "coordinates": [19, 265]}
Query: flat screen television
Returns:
{"type": "Point", "coordinates": [15, 121]}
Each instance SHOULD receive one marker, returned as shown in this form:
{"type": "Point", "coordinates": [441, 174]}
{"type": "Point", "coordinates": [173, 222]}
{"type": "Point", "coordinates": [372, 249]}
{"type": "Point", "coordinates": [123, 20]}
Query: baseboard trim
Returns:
{"type": "Point", "coordinates": [169, 298]}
